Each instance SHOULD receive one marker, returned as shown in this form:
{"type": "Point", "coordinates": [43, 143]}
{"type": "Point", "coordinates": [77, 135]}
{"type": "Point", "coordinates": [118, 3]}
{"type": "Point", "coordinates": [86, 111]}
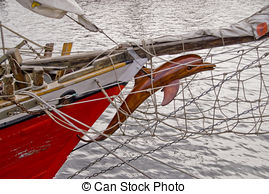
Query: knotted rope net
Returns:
{"type": "Point", "coordinates": [230, 101]}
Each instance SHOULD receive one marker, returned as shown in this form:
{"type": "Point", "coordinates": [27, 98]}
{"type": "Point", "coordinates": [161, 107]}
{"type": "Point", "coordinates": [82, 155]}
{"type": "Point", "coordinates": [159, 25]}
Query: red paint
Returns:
{"type": "Point", "coordinates": [262, 29]}
{"type": "Point", "coordinates": [38, 147]}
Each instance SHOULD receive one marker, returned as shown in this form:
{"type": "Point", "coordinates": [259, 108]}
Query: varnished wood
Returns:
{"type": "Point", "coordinates": [64, 81]}
{"type": "Point", "coordinates": [66, 50]}
{"type": "Point", "coordinates": [162, 76]}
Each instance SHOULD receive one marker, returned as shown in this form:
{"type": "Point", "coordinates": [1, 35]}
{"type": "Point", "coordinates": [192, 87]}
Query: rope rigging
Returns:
{"type": "Point", "coordinates": [208, 111]}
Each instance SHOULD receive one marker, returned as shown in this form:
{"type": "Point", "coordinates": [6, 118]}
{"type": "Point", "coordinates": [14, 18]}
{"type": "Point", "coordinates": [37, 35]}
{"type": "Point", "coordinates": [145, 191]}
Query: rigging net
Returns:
{"type": "Point", "coordinates": [231, 100]}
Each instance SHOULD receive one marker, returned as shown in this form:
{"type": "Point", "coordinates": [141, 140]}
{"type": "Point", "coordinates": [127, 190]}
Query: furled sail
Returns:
{"type": "Point", "coordinates": [255, 26]}
{"type": "Point", "coordinates": [58, 9]}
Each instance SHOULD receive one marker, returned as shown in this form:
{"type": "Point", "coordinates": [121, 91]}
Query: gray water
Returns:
{"type": "Point", "coordinates": [221, 156]}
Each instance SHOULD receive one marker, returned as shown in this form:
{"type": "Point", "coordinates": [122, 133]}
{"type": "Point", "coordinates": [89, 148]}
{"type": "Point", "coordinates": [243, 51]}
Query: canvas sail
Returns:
{"type": "Point", "coordinates": [255, 26]}
{"type": "Point", "coordinates": [58, 9]}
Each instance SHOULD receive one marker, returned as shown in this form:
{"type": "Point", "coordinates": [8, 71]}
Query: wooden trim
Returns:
{"type": "Point", "coordinates": [54, 86]}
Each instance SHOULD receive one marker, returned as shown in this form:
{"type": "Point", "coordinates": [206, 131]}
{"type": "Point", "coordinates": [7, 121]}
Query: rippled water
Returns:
{"type": "Point", "coordinates": [222, 156]}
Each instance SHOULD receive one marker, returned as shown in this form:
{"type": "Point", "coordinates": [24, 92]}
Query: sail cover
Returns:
{"type": "Point", "coordinates": [58, 9]}
{"type": "Point", "coordinates": [255, 26]}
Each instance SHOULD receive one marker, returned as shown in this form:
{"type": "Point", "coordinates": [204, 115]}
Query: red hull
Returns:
{"type": "Point", "coordinates": [38, 147]}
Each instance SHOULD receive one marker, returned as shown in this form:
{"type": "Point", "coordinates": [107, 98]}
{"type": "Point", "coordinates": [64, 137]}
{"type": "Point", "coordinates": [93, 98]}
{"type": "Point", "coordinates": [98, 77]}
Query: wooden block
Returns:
{"type": "Point", "coordinates": [5, 57]}
{"type": "Point", "coordinates": [67, 47]}
{"type": "Point", "coordinates": [15, 60]}
{"type": "Point", "coordinates": [38, 76]}
{"type": "Point", "coordinates": [48, 50]}
{"type": "Point", "coordinates": [8, 85]}
{"type": "Point", "coordinates": [15, 54]}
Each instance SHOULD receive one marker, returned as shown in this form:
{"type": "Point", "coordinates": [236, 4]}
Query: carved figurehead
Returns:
{"type": "Point", "coordinates": [166, 76]}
